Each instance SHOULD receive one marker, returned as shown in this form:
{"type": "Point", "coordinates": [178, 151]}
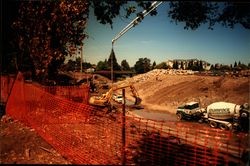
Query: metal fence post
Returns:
{"type": "Point", "coordinates": [123, 128]}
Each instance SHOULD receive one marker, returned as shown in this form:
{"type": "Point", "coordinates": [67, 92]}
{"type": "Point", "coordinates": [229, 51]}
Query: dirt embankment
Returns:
{"type": "Point", "coordinates": [164, 92]}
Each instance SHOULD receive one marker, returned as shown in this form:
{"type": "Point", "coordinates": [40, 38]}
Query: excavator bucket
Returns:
{"type": "Point", "coordinates": [137, 101]}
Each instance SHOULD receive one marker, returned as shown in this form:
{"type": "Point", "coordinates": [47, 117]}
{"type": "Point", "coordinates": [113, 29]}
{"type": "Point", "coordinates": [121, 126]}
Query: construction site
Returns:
{"type": "Point", "coordinates": [160, 117]}
{"type": "Point", "coordinates": [51, 125]}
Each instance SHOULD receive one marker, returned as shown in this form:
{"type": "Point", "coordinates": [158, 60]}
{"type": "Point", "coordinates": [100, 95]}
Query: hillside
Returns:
{"type": "Point", "coordinates": [164, 91]}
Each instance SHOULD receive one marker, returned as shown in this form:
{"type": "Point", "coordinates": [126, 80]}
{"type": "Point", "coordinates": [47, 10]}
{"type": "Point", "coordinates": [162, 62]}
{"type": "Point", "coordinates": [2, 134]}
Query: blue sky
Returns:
{"type": "Point", "coordinates": [160, 40]}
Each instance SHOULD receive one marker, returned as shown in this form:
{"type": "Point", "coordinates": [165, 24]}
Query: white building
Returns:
{"type": "Point", "coordinates": [185, 63]}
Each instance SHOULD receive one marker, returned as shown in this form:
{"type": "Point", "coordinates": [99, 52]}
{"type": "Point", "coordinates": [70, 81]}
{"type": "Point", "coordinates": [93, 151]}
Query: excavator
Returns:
{"type": "Point", "coordinates": [105, 99]}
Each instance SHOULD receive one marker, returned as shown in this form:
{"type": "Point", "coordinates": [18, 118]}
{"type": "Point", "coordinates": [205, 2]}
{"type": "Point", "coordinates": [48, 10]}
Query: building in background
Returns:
{"type": "Point", "coordinates": [187, 64]}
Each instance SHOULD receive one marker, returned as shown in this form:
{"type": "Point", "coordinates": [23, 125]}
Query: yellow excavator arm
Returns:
{"type": "Point", "coordinates": [105, 99]}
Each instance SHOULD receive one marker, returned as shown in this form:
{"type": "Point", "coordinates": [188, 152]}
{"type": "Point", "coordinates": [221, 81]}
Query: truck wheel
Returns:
{"type": "Point", "coordinates": [179, 116]}
{"type": "Point", "coordinates": [223, 126]}
{"type": "Point", "coordinates": [213, 124]}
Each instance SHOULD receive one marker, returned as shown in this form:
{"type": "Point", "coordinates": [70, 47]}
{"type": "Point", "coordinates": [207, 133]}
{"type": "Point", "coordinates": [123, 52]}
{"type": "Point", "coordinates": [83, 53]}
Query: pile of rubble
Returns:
{"type": "Point", "coordinates": [158, 74]}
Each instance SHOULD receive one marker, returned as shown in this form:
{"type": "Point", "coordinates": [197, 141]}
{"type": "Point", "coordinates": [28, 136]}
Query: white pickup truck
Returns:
{"type": "Point", "coordinates": [118, 98]}
{"type": "Point", "coordinates": [189, 111]}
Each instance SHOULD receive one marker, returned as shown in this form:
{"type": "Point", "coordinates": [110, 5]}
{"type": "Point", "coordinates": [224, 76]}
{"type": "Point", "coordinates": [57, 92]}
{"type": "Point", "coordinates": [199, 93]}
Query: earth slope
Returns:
{"type": "Point", "coordinates": [164, 91]}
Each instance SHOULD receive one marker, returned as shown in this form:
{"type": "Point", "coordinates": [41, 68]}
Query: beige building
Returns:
{"type": "Point", "coordinates": [187, 62]}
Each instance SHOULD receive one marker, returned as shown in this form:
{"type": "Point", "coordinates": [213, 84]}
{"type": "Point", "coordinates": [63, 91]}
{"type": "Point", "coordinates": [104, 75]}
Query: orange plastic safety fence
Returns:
{"type": "Point", "coordinates": [183, 143]}
{"type": "Point", "coordinates": [6, 82]}
{"type": "Point", "coordinates": [74, 93]}
{"type": "Point", "coordinates": [87, 135]}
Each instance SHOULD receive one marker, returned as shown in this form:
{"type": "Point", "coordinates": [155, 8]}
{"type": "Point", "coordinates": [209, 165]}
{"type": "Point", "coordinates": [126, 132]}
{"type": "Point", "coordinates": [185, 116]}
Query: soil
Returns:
{"type": "Point", "coordinates": [167, 92]}
{"type": "Point", "coordinates": [159, 92]}
{"type": "Point", "coordinates": [22, 145]}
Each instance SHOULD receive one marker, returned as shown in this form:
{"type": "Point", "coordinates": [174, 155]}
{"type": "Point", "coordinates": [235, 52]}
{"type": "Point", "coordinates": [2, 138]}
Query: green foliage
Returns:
{"type": "Point", "coordinates": [153, 65]}
{"type": "Point", "coordinates": [194, 14]}
{"type": "Point", "coordinates": [106, 11]}
{"type": "Point", "coordinates": [242, 67]}
{"type": "Point", "coordinates": [70, 66]}
{"type": "Point", "coordinates": [47, 30]}
{"type": "Point", "coordinates": [142, 65]}
{"type": "Point", "coordinates": [225, 68]}
{"type": "Point", "coordinates": [161, 65]}
{"type": "Point", "coordinates": [235, 64]}
{"type": "Point", "coordinates": [175, 65]}
{"type": "Point", "coordinates": [75, 65]}
{"type": "Point", "coordinates": [86, 65]}
{"type": "Point", "coordinates": [102, 65]}
{"type": "Point", "coordinates": [238, 67]}
{"type": "Point", "coordinates": [125, 65]}
{"type": "Point", "coordinates": [212, 68]}
{"type": "Point", "coordinates": [112, 59]}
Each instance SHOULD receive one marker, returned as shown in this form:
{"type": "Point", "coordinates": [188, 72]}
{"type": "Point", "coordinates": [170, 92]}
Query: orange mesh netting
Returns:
{"type": "Point", "coordinates": [87, 135]}
{"type": "Point", "coordinates": [6, 85]}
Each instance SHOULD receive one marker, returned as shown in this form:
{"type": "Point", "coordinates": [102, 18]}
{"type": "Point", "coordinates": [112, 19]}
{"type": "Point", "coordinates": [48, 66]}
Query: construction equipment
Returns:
{"type": "Point", "coordinates": [227, 116]}
{"type": "Point", "coordinates": [105, 99]}
{"type": "Point", "coordinates": [189, 110]}
{"type": "Point", "coordinates": [224, 115]}
{"type": "Point", "coordinates": [138, 19]}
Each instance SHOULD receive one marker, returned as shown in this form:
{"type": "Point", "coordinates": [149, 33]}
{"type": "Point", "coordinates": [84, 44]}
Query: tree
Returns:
{"type": "Point", "coordinates": [153, 65]}
{"type": "Point", "coordinates": [46, 30]}
{"type": "Point", "coordinates": [86, 65]}
{"type": "Point", "coordinates": [200, 66]}
{"type": "Point", "coordinates": [125, 65]}
{"type": "Point", "coordinates": [49, 30]}
{"type": "Point", "coordinates": [175, 65]}
{"type": "Point", "coordinates": [235, 64]}
{"type": "Point", "coordinates": [190, 64]}
{"type": "Point", "coordinates": [112, 60]}
{"type": "Point", "coordinates": [182, 66]}
{"type": "Point", "coordinates": [70, 66]}
{"type": "Point", "coordinates": [225, 68]}
{"type": "Point", "coordinates": [212, 67]}
{"type": "Point", "coordinates": [192, 13]}
{"type": "Point", "coordinates": [142, 65]}
{"type": "Point", "coordinates": [102, 65]}
{"type": "Point", "coordinates": [242, 66]}
{"type": "Point", "coordinates": [161, 65]}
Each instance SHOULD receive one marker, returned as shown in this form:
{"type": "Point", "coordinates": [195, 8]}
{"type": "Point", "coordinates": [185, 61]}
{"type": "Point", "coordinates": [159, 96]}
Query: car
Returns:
{"type": "Point", "coordinates": [189, 110]}
{"type": "Point", "coordinates": [119, 98]}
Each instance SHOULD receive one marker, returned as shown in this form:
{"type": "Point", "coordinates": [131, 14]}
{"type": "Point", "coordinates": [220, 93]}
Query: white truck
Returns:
{"type": "Point", "coordinates": [224, 115]}
{"type": "Point", "coordinates": [227, 115]}
{"type": "Point", "coordinates": [189, 111]}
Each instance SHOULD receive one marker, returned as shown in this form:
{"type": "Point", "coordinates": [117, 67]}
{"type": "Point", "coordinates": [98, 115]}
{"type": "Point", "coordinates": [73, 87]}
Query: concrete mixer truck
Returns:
{"type": "Point", "coordinates": [227, 116]}
{"type": "Point", "coordinates": [219, 114]}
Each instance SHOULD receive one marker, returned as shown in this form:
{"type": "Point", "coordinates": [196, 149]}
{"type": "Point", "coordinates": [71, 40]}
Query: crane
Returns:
{"type": "Point", "coordinates": [135, 21]}
{"type": "Point", "coordinates": [106, 98]}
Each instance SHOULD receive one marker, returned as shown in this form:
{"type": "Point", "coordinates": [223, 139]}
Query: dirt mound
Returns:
{"type": "Point", "coordinates": [163, 91]}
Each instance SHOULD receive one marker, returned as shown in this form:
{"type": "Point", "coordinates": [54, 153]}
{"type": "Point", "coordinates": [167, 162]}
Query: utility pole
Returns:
{"type": "Point", "coordinates": [133, 23]}
{"type": "Point", "coordinates": [81, 57]}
